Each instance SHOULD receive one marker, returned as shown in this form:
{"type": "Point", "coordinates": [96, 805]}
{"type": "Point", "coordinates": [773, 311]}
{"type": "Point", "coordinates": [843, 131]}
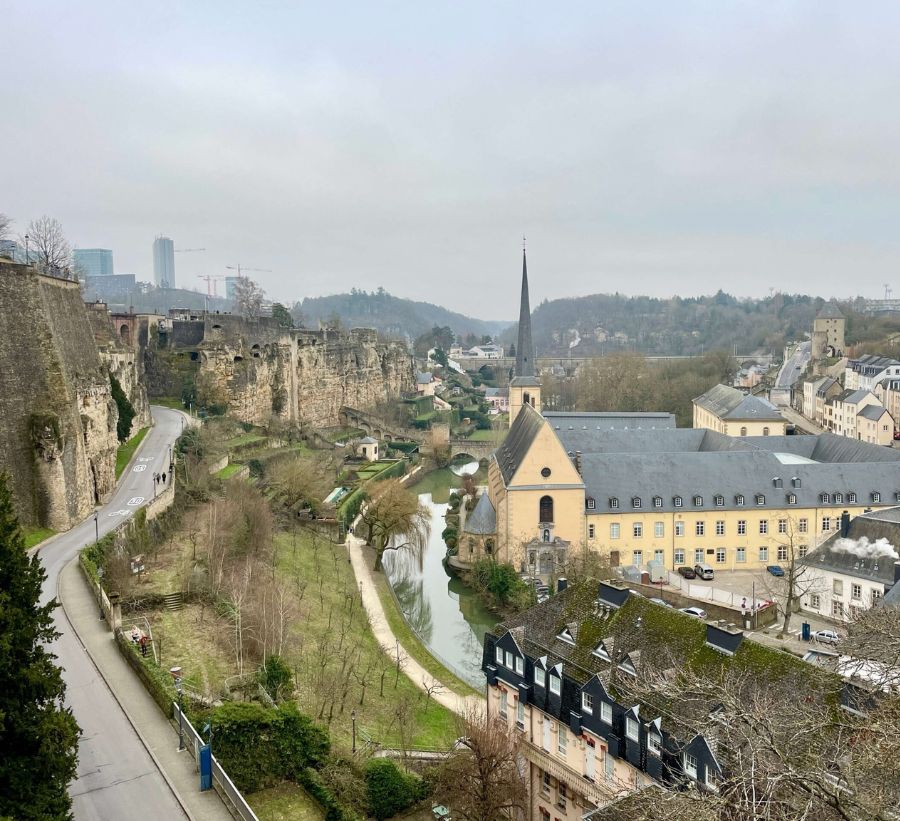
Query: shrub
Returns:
{"type": "Point", "coordinates": [390, 790]}
{"type": "Point", "coordinates": [500, 580]}
{"type": "Point", "coordinates": [275, 677]}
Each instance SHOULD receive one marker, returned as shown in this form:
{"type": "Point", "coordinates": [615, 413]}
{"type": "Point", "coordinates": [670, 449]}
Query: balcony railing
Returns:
{"type": "Point", "coordinates": [596, 792]}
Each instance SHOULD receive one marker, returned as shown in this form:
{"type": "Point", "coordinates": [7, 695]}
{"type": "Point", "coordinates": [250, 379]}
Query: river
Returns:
{"type": "Point", "coordinates": [447, 616]}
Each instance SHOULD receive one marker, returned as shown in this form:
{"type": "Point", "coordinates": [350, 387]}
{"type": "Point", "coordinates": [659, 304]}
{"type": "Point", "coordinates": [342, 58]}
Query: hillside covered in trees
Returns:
{"type": "Point", "coordinates": [605, 323]}
{"type": "Point", "coordinates": [390, 315]}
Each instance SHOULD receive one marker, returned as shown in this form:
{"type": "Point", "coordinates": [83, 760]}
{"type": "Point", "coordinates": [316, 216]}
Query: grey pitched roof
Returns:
{"type": "Point", "coordinates": [825, 385]}
{"type": "Point", "coordinates": [873, 412]}
{"type": "Point", "coordinates": [577, 430]}
{"type": "Point", "coordinates": [852, 397]}
{"type": "Point", "coordinates": [423, 378]}
{"type": "Point", "coordinates": [683, 463]}
{"type": "Point", "coordinates": [865, 561]}
{"type": "Point", "coordinates": [368, 440]}
{"type": "Point", "coordinates": [729, 403]}
{"type": "Point", "coordinates": [829, 311]}
{"type": "Point", "coordinates": [483, 520]}
{"type": "Point", "coordinates": [515, 447]}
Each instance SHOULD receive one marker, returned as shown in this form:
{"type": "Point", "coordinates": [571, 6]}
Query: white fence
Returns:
{"type": "Point", "coordinates": [706, 592]}
{"type": "Point", "coordinates": [224, 784]}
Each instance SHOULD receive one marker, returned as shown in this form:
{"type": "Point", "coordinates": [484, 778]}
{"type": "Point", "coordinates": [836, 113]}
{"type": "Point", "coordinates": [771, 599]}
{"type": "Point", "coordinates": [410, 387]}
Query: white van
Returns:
{"type": "Point", "coordinates": [703, 571]}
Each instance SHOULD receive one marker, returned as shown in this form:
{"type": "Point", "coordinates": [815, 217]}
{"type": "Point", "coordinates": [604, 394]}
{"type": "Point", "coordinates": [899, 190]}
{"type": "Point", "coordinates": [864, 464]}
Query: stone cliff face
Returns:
{"type": "Point", "coordinates": [57, 416]}
{"type": "Point", "coordinates": [261, 371]}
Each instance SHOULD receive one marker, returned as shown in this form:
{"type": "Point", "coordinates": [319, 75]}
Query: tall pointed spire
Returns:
{"type": "Point", "coordinates": [524, 347]}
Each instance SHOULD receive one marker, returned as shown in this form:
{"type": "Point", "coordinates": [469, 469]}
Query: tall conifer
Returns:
{"type": "Point", "coordinates": [38, 734]}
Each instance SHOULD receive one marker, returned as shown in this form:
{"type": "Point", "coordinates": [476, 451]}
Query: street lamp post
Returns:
{"type": "Point", "coordinates": [353, 722]}
{"type": "Point", "coordinates": [176, 674]}
{"type": "Point", "coordinates": [99, 569]}
{"type": "Point", "coordinates": [27, 255]}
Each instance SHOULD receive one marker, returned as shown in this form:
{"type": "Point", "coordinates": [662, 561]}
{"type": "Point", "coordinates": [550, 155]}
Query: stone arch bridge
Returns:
{"type": "Point", "coordinates": [477, 450]}
{"type": "Point", "coordinates": [373, 426]}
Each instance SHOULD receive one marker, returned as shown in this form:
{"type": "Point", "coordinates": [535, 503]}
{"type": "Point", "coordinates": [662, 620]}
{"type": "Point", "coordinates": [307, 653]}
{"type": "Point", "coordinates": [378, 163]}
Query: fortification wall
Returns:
{"type": "Point", "coordinates": [57, 416]}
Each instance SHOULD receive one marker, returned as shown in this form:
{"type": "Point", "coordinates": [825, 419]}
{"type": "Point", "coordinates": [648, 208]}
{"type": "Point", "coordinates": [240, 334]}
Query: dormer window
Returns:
{"type": "Point", "coordinates": [654, 743]}
{"type": "Point", "coordinates": [776, 481]}
{"type": "Point", "coordinates": [555, 684]}
{"type": "Point", "coordinates": [698, 501]}
{"type": "Point", "coordinates": [590, 504]}
{"type": "Point", "coordinates": [632, 729]}
{"type": "Point", "coordinates": [876, 496]}
{"type": "Point", "coordinates": [795, 481]}
{"type": "Point", "coordinates": [606, 712]}
{"type": "Point", "coordinates": [792, 498]}
{"type": "Point", "coordinates": [540, 677]}
{"type": "Point", "coordinates": [509, 660]}
{"type": "Point", "coordinates": [826, 498]}
{"type": "Point", "coordinates": [498, 655]}
{"type": "Point", "coordinates": [851, 497]}
{"type": "Point", "coordinates": [690, 765]}
{"type": "Point", "coordinates": [657, 501]}
{"type": "Point", "coordinates": [587, 703]}
{"type": "Point", "coordinates": [760, 499]}
{"type": "Point", "coordinates": [614, 503]}
{"type": "Point", "coordinates": [677, 501]}
{"type": "Point", "coordinates": [839, 498]}
{"type": "Point", "coordinates": [635, 501]}
{"type": "Point", "coordinates": [719, 500]}
{"type": "Point", "coordinates": [739, 500]}
{"type": "Point", "coordinates": [897, 496]}
{"type": "Point", "coordinates": [520, 665]}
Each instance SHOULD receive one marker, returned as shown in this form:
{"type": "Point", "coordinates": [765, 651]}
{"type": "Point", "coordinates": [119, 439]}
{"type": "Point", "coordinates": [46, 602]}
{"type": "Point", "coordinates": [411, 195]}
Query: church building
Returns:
{"type": "Point", "coordinates": [634, 488]}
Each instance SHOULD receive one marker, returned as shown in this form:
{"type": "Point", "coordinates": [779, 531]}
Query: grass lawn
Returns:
{"type": "Point", "coordinates": [286, 802]}
{"type": "Point", "coordinates": [484, 436]}
{"type": "Point", "coordinates": [244, 439]}
{"type": "Point", "coordinates": [329, 605]}
{"type": "Point", "coordinates": [229, 470]}
{"type": "Point", "coordinates": [126, 451]}
{"type": "Point", "coordinates": [412, 643]}
{"type": "Point", "coordinates": [169, 402]}
{"type": "Point", "coordinates": [35, 535]}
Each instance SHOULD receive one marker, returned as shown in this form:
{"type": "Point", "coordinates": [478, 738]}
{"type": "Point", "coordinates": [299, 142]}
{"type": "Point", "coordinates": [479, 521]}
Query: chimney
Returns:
{"type": "Point", "coordinates": [845, 524]}
{"type": "Point", "coordinates": [561, 584]}
{"type": "Point", "coordinates": [578, 461]}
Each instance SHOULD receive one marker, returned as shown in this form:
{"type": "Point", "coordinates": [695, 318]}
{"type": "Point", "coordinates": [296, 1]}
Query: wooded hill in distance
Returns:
{"type": "Point", "coordinates": [606, 323]}
{"type": "Point", "coordinates": [390, 315]}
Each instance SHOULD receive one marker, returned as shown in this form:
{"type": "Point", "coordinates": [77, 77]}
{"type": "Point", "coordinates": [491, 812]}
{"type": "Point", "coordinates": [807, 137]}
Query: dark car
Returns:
{"type": "Point", "coordinates": [687, 572]}
{"type": "Point", "coordinates": [897, 434]}
{"type": "Point", "coordinates": [775, 569]}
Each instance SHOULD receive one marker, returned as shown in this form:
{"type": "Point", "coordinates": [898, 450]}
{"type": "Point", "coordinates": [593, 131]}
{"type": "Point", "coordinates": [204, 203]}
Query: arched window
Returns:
{"type": "Point", "coordinates": [546, 509]}
{"type": "Point", "coordinates": [743, 431]}
{"type": "Point", "coordinates": [765, 431]}
{"type": "Point", "coordinates": [546, 535]}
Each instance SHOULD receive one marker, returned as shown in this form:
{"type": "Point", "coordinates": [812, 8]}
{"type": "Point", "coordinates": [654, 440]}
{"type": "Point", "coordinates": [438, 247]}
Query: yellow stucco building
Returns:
{"type": "Point", "coordinates": [727, 410]}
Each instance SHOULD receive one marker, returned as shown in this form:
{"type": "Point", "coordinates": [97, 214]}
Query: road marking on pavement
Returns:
{"type": "Point", "coordinates": [146, 459]}
{"type": "Point", "coordinates": [123, 512]}
{"type": "Point", "coordinates": [139, 468]}
{"type": "Point", "coordinates": [135, 500]}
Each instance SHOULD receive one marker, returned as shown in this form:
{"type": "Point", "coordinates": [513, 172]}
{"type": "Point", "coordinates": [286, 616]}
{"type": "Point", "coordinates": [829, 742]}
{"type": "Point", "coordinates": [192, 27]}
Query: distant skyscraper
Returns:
{"type": "Point", "coordinates": [230, 283]}
{"type": "Point", "coordinates": [164, 262]}
{"type": "Point", "coordinates": [93, 262]}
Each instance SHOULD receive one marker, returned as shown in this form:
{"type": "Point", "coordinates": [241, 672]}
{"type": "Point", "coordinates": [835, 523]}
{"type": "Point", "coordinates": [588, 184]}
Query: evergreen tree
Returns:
{"type": "Point", "coordinates": [38, 734]}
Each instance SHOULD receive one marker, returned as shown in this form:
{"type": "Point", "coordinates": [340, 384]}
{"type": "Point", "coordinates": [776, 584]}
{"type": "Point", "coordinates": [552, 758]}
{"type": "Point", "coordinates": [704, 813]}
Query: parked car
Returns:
{"type": "Point", "coordinates": [826, 636]}
{"type": "Point", "coordinates": [687, 572]}
{"type": "Point", "coordinates": [699, 612]}
{"type": "Point", "coordinates": [542, 590]}
{"type": "Point", "coordinates": [704, 571]}
{"type": "Point", "coordinates": [775, 569]}
{"type": "Point", "coordinates": [661, 602]}
{"type": "Point", "coordinates": [542, 597]}
{"type": "Point", "coordinates": [897, 434]}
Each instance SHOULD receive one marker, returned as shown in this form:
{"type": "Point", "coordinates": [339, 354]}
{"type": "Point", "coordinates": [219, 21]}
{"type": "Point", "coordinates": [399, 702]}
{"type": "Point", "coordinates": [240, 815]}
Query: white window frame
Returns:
{"type": "Point", "coordinates": [659, 530]}
{"type": "Point", "coordinates": [679, 528]}
{"type": "Point", "coordinates": [615, 530]}
{"type": "Point", "coordinates": [520, 665]}
{"type": "Point", "coordinates": [509, 661]}
{"type": "Point", "coordinates": [504, 705]}
{"type": "Point", "coordinates": [562, 742]}
{"type": "Point", "coordinates": [782, 553]}
{"type": "Point", "coordinates": [815, 601]}
{"type": "Point", "coordinates": [654, 743]}
{"type": "Point", "coordinates": [657, 501]}
{"type": "Point", "coordinates": [782, 525]}
{"type": "Point", "coordinates": [763, 527]}
{"type": "Point", "coordinates": [739, 500]}
{"type": "Point", "coordinates": [613, 503]}
{"type": "Point", "coordinates": [856, 591]}
{"type": "Point", "coordinates": [591, 531]}
{"type": "Point", "coordinates": [498, 654]}
{"type": "Point", "coordinates": [721, 555]}
{"type": "Point", "coordinates": [540, 677]}
{"type": "Point", "coordinates": [555, 684]}
{"type": "Point", "coordinates": [637, 530]}
{"type": "Point", "coordinates": [851, 497]}
{"type": "Point", "coordinates": [742, 527]}
{"type": "Point", "coordinates": [740, 555]}
{"type": "Point", "coordinates": [699, 555]}
{"type": "Point", "coordinates": [803, 525]}
{"type": "Point", "coordinates": [677, 501]}
{"type": "Point", "coordinates": [760, 499]}
{"type": "Point", "coordinates": [587, 703]}
{"type": "Point", "coordinates": [632, 728]}
{"type": "Point", "coordinates": [700, 528]}
{"type": "Point", "coordinates": [606, 713]}
{"type": "Point", "coordinates": [679, 555]}
{"type": "Point", "coordinates": [720, 527]}
{"type": "Point", "coordinates": [637, 558]}
{"type": "Point", "coordinates": [689, 763]}
{"type": "Point", "coordinates": [764, 554]}
{"type": "Point", "coordinates": [520, 714]}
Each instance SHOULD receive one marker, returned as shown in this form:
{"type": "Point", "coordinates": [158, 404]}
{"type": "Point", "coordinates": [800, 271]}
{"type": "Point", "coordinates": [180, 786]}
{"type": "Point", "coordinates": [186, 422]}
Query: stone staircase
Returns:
{"type": "Point", "coordinates": [173, 601]}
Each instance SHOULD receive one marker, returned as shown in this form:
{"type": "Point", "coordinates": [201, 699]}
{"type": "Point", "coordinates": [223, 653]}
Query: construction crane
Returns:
{"type": "Point", "coordinates": [887, 290]}
{"type": "Point", "coordinates": [188, 250]}
{"type": "Point", "coordinates": [211, 280]}
{"type": "Point", "coordinates": [240, 269]}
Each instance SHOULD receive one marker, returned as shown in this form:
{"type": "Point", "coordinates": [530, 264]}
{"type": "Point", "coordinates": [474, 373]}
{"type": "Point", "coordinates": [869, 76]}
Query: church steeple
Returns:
{"type": "Point", "coordinates": [525, 387]}
{"type": "Point", "coordinates": [524, 346]}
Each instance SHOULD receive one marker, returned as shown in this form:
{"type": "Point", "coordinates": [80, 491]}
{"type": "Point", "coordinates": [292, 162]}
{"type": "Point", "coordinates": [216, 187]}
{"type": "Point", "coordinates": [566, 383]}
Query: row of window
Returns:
{"type": "Point", "coordinates": [721, 554]}
{"type": "Point", "coordinates": [739, 501]}
{"type": "Point", "coordinates": [659, 528]}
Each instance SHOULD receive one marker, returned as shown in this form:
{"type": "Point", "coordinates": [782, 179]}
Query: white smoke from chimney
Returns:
{"type": "Point", "coordinates": [864, 549]}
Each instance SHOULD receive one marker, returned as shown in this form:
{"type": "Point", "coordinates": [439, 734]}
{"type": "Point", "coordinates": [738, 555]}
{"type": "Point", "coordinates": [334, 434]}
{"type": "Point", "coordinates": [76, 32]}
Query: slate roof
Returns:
{"type": "Point", "coordinates": [423, 378]}
{"type": "Point", "coordinates": [877, 566]}
{"type": "Point", "coordinates": [482, 521]}
{"type": "Point", "coordinates": [873, 412]}
{"type": "Point", "coordinates": [515, 447]}
{"type": "Point", "coordinates": [729, 403]}
{"type": "Point", "coordinates": [368, 440]}
{"type": "Point", "coordinates": [850, 396]}
{"type": "Point", "coordinates": [829, 311]}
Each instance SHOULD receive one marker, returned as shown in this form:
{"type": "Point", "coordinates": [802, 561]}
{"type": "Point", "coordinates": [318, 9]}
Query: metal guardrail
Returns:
{"type": "Point", "coordinates": [220, 777]}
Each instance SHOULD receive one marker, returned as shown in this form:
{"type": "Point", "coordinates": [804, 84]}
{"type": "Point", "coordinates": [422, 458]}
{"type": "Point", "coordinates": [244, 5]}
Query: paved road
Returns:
{"type": "Point", "coordinates": [117, 778]}
{"type": "Point", "coordinates": [793, 367]}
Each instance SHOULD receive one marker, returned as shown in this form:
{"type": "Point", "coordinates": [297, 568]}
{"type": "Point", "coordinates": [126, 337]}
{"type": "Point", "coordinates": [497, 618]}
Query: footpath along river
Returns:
{"type": "Point", "coordinates": [446, 615]}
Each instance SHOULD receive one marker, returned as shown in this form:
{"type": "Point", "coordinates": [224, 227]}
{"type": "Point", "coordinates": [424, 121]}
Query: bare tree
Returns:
{"type": "Point", "coordinates": [248, 297]}
{"type": "Point", "coordinates": [5, 223]}
{"type": "Point", "coordinates": [48, 243]}
{"type": "Point", "coordinates": [481, 780]}
{"type": "Point", "coordinates": [799, 579]}
{"type": "Point", "coordinates": [396, 520]}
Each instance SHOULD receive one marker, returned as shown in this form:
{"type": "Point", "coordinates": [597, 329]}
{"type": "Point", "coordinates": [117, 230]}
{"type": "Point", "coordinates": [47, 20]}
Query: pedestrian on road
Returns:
{"type": "Point", "coordinates": [164, 478]}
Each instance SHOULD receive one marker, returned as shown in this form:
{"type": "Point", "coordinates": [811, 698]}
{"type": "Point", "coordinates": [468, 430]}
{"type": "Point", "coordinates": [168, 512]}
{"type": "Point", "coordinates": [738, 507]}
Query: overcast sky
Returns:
{"type": "Point", "coordinates": [652, 148]}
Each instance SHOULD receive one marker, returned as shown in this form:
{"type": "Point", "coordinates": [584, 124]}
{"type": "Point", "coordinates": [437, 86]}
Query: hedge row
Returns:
{"type": "Point", "coordinates": [397, 469]}
{"type": "Point", "coordinates": [350, 506]}
{"type": "Point", "coordinates": [311, 781]}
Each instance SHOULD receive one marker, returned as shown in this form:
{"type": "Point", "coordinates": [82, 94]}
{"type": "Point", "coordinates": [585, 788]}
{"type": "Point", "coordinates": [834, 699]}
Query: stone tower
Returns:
{"type": "Point", "coordinates": [828, 332]}
{"type": "Point", "coordinates": [525, 387]}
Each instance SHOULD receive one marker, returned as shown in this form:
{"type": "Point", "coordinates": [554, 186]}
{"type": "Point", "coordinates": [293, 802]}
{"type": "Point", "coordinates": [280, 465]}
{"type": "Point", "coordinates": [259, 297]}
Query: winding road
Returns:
{"type": "Point", "coordinates": [117, 777]}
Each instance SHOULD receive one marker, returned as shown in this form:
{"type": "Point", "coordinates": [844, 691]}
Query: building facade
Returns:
{"type": "Point", "coordinates": [888, 393]}
{"type": "Point", "coordinates": [867, 371]}
{"type": "Point", "coordinates": [828, 332]}
{"type": "Point", "coordinates": [93, 262]}
{"type": "Point", "coordinates": [164, 262]}
{"type": "Point", "coordinates": [727, 410]}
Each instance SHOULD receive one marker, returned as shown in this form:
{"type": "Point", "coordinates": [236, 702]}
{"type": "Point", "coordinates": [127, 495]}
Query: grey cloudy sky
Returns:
{"type": "Point", "coordinates": [655, 148]}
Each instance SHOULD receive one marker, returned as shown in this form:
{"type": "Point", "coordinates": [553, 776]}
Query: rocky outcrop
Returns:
{"type": "Point", "coordinates": [259, 370]}
{"type": "Point", "coordinates": [57, 415]}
